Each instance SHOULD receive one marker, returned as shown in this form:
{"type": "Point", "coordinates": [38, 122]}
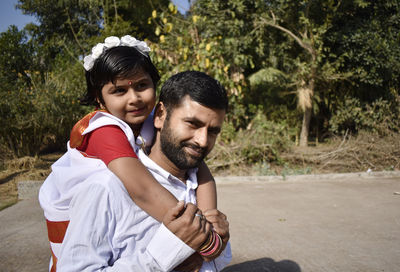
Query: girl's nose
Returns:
{"type": "Point", "coordinates": [134, 97]}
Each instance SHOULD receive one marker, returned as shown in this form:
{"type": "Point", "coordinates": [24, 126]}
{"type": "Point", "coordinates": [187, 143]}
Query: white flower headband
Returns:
{"type": "Point", "coordinates": [113, 41]}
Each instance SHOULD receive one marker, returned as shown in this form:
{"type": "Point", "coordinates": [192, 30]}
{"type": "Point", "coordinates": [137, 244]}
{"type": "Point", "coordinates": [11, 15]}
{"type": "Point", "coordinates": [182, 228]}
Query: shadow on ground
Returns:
{"type": "Point", "coordinates": [264, 265]}
{"type": "Point", "coordinates": [10, 177]}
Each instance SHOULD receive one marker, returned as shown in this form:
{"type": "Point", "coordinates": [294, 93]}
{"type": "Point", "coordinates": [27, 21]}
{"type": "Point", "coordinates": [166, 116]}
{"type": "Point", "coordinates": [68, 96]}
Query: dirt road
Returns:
{"type": "Point", "coordinates": [309, 223]}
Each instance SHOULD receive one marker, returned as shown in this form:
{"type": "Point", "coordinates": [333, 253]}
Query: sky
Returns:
{"type": "Point", "coordinates": [9, 15]}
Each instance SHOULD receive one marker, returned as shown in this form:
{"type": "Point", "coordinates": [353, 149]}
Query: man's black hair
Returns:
{"type": "Point", "coordinates": [199, 86]}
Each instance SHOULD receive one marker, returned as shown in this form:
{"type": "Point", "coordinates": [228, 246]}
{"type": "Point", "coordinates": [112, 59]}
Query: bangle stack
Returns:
{"type": "Point", "coordinates": [212, 245]}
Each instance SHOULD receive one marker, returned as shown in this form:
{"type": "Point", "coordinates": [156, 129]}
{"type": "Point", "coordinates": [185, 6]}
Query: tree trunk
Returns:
{"type": "Point", "coordinates": [305, 127]}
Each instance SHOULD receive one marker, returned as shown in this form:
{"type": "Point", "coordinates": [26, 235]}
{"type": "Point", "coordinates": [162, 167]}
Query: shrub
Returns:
{"type": "Point", "coordinates": [41, 115]}
{"type": "Point", "coordinates": [262, 141]}
{"type": "Point", "coordinates": [377, 117]}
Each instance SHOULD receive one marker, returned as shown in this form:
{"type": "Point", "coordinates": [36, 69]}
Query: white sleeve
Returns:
{"type": "Point", "coordinates": [88, 243]}
{"type": "Point", "coordinates": [219, 263]}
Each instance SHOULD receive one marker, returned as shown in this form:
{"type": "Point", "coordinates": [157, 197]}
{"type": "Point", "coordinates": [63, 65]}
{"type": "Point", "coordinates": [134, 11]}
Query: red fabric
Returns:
{"type": "Point", "coordinates": [56, 230]}
{"type": "Point", "coordinates": [54, 266]}
{"type": "Point", "coordinates": [76, 138]}
{"type": "Point", "coordinates": [107, 143]}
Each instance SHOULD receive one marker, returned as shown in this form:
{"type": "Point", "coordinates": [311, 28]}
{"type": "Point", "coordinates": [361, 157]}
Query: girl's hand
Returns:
{"type": "Point", "coordinates": [220, 225]}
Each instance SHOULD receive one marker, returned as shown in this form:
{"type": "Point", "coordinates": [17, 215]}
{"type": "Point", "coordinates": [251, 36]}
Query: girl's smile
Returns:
{"type": "Point", "coordinates": [131, 99]}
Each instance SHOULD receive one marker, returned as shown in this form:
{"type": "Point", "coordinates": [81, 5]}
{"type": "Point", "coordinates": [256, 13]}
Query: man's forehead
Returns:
{"type": "Point", "coordinates": [192, 111]}
{"type": "Point", "coordinates": [191, 108]}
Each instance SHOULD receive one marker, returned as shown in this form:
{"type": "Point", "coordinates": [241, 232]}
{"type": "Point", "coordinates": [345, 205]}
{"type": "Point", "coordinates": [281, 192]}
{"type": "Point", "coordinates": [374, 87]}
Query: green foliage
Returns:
{"type": "Point", "coordinates": [187, 44]}
{"type": "Point", "coordinates": [261, 142]}
{"type": "Point", "coordinates": [38, 117]}
{"type": "Point", "coordinates": [367, 34]}
{"type": "Point", "coordinates": [263, 52]}
{"type": "Point", "coordinates": [380, 116]}
{"type": "Point", "coordinates": [15, 59]}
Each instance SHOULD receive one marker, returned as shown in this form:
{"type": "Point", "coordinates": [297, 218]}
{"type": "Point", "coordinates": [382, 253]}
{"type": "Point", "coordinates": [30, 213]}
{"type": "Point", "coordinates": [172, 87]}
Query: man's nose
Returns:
{"type": "Point", "coordinates": [201, 137]}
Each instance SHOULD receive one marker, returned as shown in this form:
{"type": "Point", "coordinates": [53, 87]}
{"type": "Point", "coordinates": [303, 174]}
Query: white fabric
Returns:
{"type": "Point", "coordinates": [146, 133]}
{"type": "Point", "coordinates": [73, 168]}
{"type": "Point", "coordinates": [107, 231]}
{"type": "Point", "coordinates": [187, 193]}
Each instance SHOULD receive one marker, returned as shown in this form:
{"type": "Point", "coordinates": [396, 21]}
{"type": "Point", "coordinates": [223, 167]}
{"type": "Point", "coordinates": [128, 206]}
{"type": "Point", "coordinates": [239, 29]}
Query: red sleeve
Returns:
{"type": "Point", "coordinates": [107, 143]}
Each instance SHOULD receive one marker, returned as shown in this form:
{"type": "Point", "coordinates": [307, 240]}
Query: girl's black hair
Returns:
{"type": "Point", "coordinates": [116, 63]}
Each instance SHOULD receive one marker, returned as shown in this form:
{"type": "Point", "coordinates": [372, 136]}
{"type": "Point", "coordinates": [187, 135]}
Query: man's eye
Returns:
{"type": "Point", "coordinates": [191, 123]}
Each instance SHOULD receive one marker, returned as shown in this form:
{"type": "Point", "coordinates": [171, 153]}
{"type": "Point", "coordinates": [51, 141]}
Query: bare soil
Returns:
{"type": "Point", "coordinates": [366, 152]}
{"type": "Point", "coordinates": [22, 169]}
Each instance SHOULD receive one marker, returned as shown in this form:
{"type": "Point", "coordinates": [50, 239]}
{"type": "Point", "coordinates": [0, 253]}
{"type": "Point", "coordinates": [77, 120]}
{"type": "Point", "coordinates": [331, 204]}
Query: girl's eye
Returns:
{"type": "Point", "coordinates": [119, 91]}
{"type": "Point", "coordinates": [141, 85]}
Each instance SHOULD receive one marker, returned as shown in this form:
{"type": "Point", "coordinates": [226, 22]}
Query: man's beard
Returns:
{"type": "Point", "coordinates": [174, 150]}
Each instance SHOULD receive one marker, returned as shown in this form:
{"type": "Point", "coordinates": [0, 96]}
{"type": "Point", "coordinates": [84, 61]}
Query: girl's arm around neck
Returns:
{"type": "Point", "coordinates": [206, 193]}
{"type": "Point", "coordinates": [142, 187]}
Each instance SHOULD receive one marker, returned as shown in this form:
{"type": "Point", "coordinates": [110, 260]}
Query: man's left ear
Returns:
{"type": "Point", "coordinates": [160, 114]}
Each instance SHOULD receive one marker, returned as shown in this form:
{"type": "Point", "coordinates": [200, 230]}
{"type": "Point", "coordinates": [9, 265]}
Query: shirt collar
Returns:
{"type": "Point", "coordinates": [146, 135]}
{"type": "Point", "coordinates": [152, 166]}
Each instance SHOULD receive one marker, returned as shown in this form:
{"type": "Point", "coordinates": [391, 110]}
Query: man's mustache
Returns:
{"type": "Point", "coordinates": [199, 149]}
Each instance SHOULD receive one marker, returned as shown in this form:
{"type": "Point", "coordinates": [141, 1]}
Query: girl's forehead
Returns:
{"type": "Point", "coordinates": [133, 74]}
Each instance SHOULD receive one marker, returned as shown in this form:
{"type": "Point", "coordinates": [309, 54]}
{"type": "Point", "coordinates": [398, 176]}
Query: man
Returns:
{"type": "Point", "coordinates": [108, 232]}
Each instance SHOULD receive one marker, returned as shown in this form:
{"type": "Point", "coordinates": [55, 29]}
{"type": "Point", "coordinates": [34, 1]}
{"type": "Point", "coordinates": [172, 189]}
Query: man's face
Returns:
{"type": "Point", "coordinates": [189, 133]}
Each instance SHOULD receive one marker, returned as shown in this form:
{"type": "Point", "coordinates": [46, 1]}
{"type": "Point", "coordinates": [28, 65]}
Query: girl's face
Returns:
{"type": "Point", "coordinates": [131, 99]}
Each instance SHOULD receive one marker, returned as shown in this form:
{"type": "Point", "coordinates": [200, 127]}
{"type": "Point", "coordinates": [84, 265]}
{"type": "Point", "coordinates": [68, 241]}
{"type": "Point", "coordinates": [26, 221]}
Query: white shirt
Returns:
{"type": "Point", "coordinates": [187, 193]}
{"type": "Point", "coordinates": [109, 232]}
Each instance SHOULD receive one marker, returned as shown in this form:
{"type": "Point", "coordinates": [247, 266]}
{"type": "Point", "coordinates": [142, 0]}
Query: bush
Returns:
{"type": "Point", "coordinates": [377, 117]}
{"type": "Point", "coordinates": [261, 142]}
{"type": "Point", "coordinates": [40, 116]}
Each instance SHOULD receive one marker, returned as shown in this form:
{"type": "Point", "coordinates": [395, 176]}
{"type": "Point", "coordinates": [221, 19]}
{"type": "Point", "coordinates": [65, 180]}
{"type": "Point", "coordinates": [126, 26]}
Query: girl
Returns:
{"type": "Point", "coordinates": [121, 83]}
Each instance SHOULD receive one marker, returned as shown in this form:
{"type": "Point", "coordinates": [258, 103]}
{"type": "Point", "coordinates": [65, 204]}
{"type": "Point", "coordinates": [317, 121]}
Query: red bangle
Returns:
{"type": "Point", "coordinates": [214, 249]}
{"type": "Point", "coordinates": [210, 245]}
{"type": "Point", "coordinates": [215, 246]}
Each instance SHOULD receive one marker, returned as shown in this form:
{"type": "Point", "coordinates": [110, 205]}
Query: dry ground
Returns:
{"type": "Point", "coordinates": [339, 155]}
{"type": "Point", "coordinates": [26, 168]}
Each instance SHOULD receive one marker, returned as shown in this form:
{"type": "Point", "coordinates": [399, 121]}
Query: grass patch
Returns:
{"type": "Point", "coordinates": [249, 157]}
{"type": "Point", "coordinates": [8, 203]}
{"type": "Point", "coordinates": [21, 169]}
{"type": "Point", "coordinates": [337, 155]}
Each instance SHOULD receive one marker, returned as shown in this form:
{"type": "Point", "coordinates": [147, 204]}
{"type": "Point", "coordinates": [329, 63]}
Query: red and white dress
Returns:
{"type": "Point", "coordinates": [95, 140]}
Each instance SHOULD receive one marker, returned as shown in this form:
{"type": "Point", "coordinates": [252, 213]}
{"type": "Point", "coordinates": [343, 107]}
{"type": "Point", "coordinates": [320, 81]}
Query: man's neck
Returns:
{"type": "Point", "coordinates": [157, 156]}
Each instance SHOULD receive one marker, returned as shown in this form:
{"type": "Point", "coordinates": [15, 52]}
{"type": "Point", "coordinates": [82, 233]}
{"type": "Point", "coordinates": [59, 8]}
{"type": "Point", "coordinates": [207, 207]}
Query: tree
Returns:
{"type": "Point", "coordinates": [16, 57]}
{"type": "Point", "coordinates": [306, 23]}
{"type": "Point", "coordinates": [188, 43]}
{"type": "Point", "coordinates": [367, 32]}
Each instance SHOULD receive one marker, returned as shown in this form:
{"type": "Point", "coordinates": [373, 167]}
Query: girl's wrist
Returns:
{"type": "Point", "coordinates": [212, 246]}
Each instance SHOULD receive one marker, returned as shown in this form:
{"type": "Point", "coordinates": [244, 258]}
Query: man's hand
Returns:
{"type": "Point", "coordinates": [193, 263]}
{"type": "Point", "coordinates": [189, 228]}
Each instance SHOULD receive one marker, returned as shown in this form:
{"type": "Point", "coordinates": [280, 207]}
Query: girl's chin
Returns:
{"type": "Point", "coordinates": [135, 122]}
